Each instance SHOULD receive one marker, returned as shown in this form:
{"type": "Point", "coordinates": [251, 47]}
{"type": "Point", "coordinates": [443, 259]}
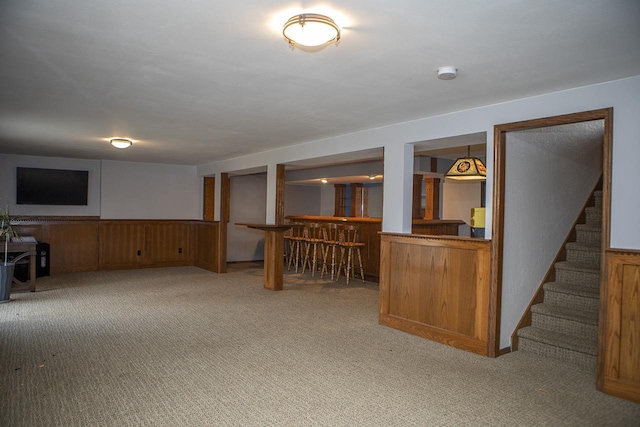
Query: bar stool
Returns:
{"type": "Point", "coordinates": [349, 243]}
{"type": "Point", "coordinates": [313, 239]}
{"type": "Point", "coordinates": [331, 240]}
{"type": "Point", "coordinates": [296, 240]}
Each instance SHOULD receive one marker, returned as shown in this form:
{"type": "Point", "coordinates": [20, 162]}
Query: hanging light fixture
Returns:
{"type": "Point", "coordinates": [467, 168]}
{"type": "Point", "coordinates": [311, 30]}
{"type": "Point", "coordinates": [121, 142]}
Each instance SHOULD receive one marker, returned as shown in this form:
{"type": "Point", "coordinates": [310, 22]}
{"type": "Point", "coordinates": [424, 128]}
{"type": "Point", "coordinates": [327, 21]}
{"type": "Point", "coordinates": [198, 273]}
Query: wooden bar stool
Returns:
{"type": "Point", "coordinates": [296, 240]}
{"type": "Point", "coordinates": [312, 240]}
{"type": "Point", "coordinates": [331, 240]}
{"type": "Point", "coordinates": [348, 245]}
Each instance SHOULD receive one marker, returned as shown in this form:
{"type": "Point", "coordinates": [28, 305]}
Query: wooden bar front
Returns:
{"type": "Point", "coordinates": [370, 233]}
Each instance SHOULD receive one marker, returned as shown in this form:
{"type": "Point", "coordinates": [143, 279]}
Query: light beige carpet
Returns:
{"type": "Point", "coordinates": [186, 347]}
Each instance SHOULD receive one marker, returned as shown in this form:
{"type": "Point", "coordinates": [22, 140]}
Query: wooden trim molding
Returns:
{"type": "Point", "coordinates": [620, 326]}
{"type": "Point", "coordinates": [437, 288]}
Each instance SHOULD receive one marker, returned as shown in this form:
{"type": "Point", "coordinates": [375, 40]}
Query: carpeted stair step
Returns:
{"type": "Point", "coordinates": [579, 323]}
{"type": "Point", "coordinates": [597, 197]}
{"type": "Point", "coordinates": [593, 216]}
{"type": "Point", "coordinates": [566, 348]}
{"type": "Point", "coordinates": [588, 234]}
{"type": "Point", "coordinates": [570, 295]}
{"type": "Point", "coordinates": [583, 254]}
{"type": "Point", "coordinates": [577, 273]}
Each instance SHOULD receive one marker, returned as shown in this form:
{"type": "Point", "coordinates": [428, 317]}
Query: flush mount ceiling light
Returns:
{"type": "Point", "coordinates": [310, 30]}
{"type": "Point", "coordinates": [121, 142]}
{"type": "Point", "coordinates": [447, 73]}
{"type": "Point", "coordinates": [467, 168]}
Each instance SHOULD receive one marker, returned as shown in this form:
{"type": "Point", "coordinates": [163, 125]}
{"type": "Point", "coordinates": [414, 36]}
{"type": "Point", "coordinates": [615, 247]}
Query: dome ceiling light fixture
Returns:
{"type": "Point", "coordinates": [310, 30]}
{"type": "Point", "coordinates": [121, 143]}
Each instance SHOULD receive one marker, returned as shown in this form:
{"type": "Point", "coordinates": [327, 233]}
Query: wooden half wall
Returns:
{"type": "Point", "coordinates": [438, 288]}
{"type": "Point", "coordinates": [89, 244]}
{"type": "Point", "coordinates": [619, 326]}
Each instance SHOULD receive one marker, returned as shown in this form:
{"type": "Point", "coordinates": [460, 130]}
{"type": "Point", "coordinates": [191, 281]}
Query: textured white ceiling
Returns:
{"type": "Point", "coordinates": [198, 81]}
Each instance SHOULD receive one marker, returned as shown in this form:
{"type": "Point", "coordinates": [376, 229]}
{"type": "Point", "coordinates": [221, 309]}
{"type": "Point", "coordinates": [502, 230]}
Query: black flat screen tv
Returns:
{"type": "Point", "coordinates": [51, 187]}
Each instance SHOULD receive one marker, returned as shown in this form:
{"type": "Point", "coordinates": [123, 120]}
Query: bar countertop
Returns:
{"type": "Point", "coordinates": [416, 221]}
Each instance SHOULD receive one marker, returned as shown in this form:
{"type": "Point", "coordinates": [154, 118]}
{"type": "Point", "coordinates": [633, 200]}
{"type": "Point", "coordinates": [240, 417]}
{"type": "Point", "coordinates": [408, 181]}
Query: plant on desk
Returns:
{"type": "Point", "coordinates": [6, 269]}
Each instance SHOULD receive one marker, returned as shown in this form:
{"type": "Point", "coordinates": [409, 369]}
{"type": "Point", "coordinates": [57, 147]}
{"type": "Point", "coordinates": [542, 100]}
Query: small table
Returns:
{"type": "Point", "coordinates": [25, 249]}
{"type": "Point", "coordinates": [273, 253]}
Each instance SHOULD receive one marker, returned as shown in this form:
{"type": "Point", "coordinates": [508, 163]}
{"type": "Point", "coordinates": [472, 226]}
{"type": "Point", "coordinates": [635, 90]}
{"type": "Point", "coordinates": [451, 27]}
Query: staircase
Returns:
{"type": "Point", "coordinates": [565, 325]}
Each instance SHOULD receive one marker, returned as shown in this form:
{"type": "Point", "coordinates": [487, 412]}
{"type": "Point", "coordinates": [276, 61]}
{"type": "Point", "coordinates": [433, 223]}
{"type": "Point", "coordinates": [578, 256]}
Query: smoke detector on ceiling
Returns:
{"type": "Point", "coordinates": [447, 73]}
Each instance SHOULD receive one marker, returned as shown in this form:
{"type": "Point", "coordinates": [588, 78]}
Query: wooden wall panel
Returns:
{"type": "Point", "coordinates": [122, 245]}
{"type": "Point", "coordinates": [91, 244]}
{"type": "Point", "coordinates": [206, 238]}
{"type": "Point", "coordinates": [73, 246]}
{"type": "Point", "coordinates": [168, 243]}
{"type": "Point", "coordinates": [620, 325]}
{"type": "Point", "coordinates": [437, 288]}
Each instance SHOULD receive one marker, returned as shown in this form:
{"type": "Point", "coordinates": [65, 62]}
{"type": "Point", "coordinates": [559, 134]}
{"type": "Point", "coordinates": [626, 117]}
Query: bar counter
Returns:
{"type": "Point", "coordinates": [370, 233]}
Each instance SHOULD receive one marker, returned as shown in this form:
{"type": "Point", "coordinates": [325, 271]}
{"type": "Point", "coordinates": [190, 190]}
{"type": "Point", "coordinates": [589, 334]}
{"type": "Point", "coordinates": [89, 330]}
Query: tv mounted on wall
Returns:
{"type": "Point", "coordinates": [51, 187]}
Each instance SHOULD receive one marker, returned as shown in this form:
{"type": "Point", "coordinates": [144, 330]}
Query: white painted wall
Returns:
{"type": "Point", "coordinates": [302, 200]}
{"type": "Point", "coordinates": [327, 200]}
{"type": "Point", "coordinates": [546, 186]}
{"type": "Point", "coordinates": [150, 191]}
{"type": "Point", "coordinates": [8, 165]}
{"type": "Point", "coordinates": [375, 201]}
{"type": "Point", "coordinates": [458, 197]}
{"type": "Point", "coordinates": [248, 205]}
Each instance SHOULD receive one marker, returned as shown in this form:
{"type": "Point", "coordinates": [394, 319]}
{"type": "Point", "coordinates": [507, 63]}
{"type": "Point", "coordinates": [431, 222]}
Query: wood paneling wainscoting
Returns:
{"type": "Point", "coordinates": [207, 234]}
{"type": "Point", "coordinates": [88, 243]}
{"type": "Point", "coordinates": [438, 288]}
{"type": "Point", "coordinates": [619, 328]}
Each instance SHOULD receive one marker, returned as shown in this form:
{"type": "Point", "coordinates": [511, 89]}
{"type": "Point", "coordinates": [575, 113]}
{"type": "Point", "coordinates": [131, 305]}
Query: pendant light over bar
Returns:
{"type": "Point", "coordinates": [467, 168]}
{"type": "Point", "coordinates": [311, 30]}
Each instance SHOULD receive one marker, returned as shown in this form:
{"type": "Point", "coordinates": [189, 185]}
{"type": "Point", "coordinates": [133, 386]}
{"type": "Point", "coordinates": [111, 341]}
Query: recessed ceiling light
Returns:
{"type": "Point", "coordinates": [121, 142]}
{"type": "Point", "coordinates": [447, 73]}
{"type": "Point", "coordinates": [324, 180]}
{"type": "Point", "coordinates": [372, 177]}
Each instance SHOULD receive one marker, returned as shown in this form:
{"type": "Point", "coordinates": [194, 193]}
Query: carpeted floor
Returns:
{"type": "Point", "coordinates": [186, 347]}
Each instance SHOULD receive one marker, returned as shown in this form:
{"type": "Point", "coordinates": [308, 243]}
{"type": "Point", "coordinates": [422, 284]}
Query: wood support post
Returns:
{"type": "Point", "coordinates": [416, 205]}
{"type": "Point", "coordinates": [432, 198]}
{"type": "Point", "coordinates": [280, 188]}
